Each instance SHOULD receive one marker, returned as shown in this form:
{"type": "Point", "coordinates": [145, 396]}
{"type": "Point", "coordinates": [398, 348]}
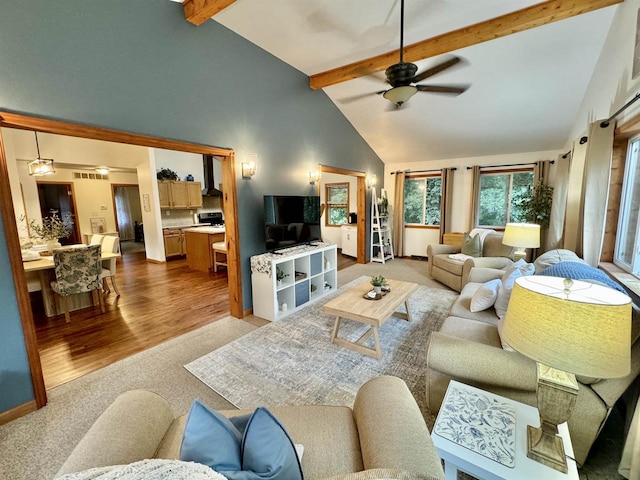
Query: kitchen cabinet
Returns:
{"type": "Point", "coordinates": [349, 240]}
{"type": "Point", "coordinates": [175, 194]}
{"type": "Point", "coordinates": [173, 242]}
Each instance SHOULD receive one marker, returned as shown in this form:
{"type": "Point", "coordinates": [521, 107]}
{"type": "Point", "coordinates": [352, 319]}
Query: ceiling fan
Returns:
{"type": "Point", "coordinates": [402, 76]}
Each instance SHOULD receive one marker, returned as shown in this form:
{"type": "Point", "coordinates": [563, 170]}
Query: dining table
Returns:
{"type": "Point", "coordinates": [43, 269]}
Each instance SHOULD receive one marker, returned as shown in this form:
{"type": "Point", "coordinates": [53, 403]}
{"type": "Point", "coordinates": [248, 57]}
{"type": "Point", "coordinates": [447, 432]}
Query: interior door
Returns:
{"type": "Point", "coordinates": [58, 198]}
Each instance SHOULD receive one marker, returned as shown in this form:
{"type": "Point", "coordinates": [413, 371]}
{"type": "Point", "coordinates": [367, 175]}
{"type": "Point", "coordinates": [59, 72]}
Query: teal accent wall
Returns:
{"type": "Point", "coordinates": [15, 377]}
{"type": "Point", "coordinates": [138, 66]}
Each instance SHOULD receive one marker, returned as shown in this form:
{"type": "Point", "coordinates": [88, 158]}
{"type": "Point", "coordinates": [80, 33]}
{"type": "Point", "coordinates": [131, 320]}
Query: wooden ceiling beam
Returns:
{"type": "Point", "coordinates": [518, 21]}
{"type": "Point", "coordinates": [199, 11]}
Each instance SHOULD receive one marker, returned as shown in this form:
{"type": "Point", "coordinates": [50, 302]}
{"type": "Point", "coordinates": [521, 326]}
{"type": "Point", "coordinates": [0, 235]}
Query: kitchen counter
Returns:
{"type": "Point", "coordinates": [206, 229]}
{"type": "Point", "coordinates": [180, 227]}
{"type": "Point", "coordinates": [198, 246]}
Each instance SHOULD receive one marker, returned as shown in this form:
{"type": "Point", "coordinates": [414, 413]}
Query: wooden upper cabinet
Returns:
{"type": "Point", "coordinates": [173, 194]}
{"type": "Point", "coordinates": [164, 193]}
{"type": "Point", "coordinates": [179, 195]}
{"type": "Point", "coordinates": [195, 194]}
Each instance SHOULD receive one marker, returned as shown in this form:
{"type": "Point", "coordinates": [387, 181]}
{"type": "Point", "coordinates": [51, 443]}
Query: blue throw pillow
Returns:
{"type": "Point", "coordinates": [581, 271]}
{"type": "Point", "coordinates": [255, 447]}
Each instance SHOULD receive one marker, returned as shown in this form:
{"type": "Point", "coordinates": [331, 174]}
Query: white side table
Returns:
{"type": "Point", "coordinates": [503, 437]}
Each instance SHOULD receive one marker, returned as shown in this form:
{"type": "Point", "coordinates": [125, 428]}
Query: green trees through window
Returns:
{"type": "Point", "coordinates": [422, 200]}
{"type": "Point", "coordinates": [500, 197]}
{"type": "Point", "coordinates": [337, 198]}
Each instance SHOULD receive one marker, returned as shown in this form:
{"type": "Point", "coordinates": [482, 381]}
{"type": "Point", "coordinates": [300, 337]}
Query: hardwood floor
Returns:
{"type": "Point", "coordinates": [157, 303]}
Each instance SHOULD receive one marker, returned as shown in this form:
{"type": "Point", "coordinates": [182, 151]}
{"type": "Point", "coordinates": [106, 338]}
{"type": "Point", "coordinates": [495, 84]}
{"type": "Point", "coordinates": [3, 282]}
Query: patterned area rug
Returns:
{"type": "Point", "coordinates": [292, 362]}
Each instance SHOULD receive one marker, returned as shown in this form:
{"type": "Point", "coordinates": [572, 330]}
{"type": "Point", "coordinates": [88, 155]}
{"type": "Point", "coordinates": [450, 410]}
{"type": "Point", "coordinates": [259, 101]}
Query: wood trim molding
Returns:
{"type": "Point", "coordinates": [230, 208]}
{"type": "Point", "coordinates": [514, 22]}
{"type": "Point", "coordinates": [628, 129]}
{"type": "Point", "coordinates": [341, 171]}
{"type": "Point", "coordinates": [362, 220]}
{"type": "Point", "coordinates": [199, 11]}
{"type": "Point", "coordinates": [17, 412]}
{"type": "Point", "coordinates": [20, 282]}
{"type": "Point", "coordinates": [14, 120]}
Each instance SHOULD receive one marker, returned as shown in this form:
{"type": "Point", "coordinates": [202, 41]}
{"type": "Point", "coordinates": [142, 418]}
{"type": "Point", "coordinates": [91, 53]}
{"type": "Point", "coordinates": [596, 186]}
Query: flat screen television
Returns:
{"type": "Point", "coordinates": [291, 220]}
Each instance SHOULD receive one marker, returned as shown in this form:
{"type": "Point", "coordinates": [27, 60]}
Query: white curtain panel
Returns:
{"type": "Point", "coordinates": [574, 209]}
{"type": "Point", "coordinates": [559, 203]}
{"type": "Point", "coordinates": [596, 188]}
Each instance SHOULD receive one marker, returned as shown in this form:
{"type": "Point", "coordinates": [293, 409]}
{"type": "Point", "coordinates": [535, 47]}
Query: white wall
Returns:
{"type": "Point", "coordinates": [180, 162]}
{"type": "Point", "coordinates": [417, 239]}
{"type": "Point", "coordinates": [334, 234]}
{"type": "Point", "coordinates": [611, 85]}
{"type": "Point", "coordinates": [151, 218]}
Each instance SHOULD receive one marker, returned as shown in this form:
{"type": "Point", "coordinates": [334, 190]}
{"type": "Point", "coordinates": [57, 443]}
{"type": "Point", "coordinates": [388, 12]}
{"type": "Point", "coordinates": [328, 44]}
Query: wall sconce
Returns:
{"type": "Point", "coordinates": [314, 176]}
{"type": "Point", "coordinates": [370, 181]}
{"type": "Point", "coordinates": [249, 167]}
{"type": "Point", "coordinates": [102, 170]}
{"type": "Point", "coordinates": [40, 166]}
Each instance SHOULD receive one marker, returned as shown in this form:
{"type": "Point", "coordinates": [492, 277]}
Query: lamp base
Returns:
{"type": "Point", "coordinates": [520, 253]}
{"type": "Point", "coordinates": [546, 447]}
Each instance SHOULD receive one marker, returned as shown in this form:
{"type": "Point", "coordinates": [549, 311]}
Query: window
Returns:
{"type": "Point", "coordinates": [422, 200]}
{"type": "Point", "coordinates": [337, 199]}
{"type": "Point", "coordinates": [626, 253]}
{"type": "Point", "coordinates": [500, 196]}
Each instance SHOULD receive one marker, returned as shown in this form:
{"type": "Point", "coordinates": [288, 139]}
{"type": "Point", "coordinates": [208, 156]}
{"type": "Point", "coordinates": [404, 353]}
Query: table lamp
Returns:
{"type": "Point", "coordinates": [569, 328]}
{"type": "Point", "coordinates": [521, 236]}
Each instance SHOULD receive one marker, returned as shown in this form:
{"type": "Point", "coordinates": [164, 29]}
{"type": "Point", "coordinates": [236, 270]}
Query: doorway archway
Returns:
{"type": "Point", "coordinates": [12, 120]}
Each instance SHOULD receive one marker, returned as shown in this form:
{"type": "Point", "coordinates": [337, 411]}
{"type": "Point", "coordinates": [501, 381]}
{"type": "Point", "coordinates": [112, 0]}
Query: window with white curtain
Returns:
{"type": "Point", "coordinates": [627, 251]}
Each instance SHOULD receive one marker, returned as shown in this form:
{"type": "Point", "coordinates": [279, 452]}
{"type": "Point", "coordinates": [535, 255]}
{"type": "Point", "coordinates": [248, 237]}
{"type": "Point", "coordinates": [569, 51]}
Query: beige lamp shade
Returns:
{"type": "Point", "coordinates": [574, 326]}
{"type": "Point", "coordinates": [522, 235]}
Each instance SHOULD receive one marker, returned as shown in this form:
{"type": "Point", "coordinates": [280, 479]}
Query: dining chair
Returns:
{"type": "Point", "coordinates": [219, 248]}
{"type": "Point", "coordinates": [77, 270]}
{"type": "Point", "coordinates": [96, 239]}
{"type": "Point", "coordinates": [110, 243]}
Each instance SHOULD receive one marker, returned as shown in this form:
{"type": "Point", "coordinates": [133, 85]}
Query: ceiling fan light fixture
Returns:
{"type": "Point", "coordinates": [102, 170]}
{"type": "Point", "coordinates": [400, 95]}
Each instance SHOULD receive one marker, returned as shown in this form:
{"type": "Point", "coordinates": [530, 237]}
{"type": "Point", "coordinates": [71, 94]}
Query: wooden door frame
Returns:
{"type": "Point", "coordinates": [28, 122]}
{"type": "Point", "coordinates": [361, 195]}
{"type": "Point", "coordinates": [76, 227]}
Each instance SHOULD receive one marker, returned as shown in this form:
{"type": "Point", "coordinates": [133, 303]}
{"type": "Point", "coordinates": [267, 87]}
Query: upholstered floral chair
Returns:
{"type": "Point", "coordinates": [78, 270]}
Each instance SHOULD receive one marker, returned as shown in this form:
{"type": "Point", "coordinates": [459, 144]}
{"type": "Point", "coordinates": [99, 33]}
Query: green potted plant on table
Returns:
{"type": "Point", "coordinates": [378, 281]}
{"type": "Point", "coordinates": [52, 229]}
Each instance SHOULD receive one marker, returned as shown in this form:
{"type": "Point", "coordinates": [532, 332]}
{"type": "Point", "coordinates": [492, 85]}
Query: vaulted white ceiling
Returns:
{"type": "Point", "coordinates": [526, 88]}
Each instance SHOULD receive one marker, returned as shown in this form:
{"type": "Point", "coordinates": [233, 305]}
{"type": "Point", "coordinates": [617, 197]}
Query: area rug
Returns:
{"type": "Point", "coordinates": [293, 362]}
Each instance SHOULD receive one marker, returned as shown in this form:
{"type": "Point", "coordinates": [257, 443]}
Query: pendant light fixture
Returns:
{"type": "Point", "coordinates": [41, 166]}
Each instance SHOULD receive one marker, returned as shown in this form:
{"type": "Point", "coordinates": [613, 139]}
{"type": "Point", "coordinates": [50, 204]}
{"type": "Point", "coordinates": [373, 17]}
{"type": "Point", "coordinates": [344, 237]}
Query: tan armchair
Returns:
{"type": "Point", "coordinates": [470, 352]}
{"type": "Point", "coordinates": [455, 273]}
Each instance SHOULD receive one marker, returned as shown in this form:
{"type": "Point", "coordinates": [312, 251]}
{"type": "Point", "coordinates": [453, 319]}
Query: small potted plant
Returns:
{"type": "Point", "coordinates": [280, 275]}
{"type": "Point", "coordinates": [378, 281]}
{"type": "Point", "coordinates": [52, 229]}
{"type": "Point", "coordinates": [166, 174]}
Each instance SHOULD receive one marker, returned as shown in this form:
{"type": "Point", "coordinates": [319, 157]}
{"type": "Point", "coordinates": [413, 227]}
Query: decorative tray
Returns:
{"type": "Point", "coordinates": [377, 296]}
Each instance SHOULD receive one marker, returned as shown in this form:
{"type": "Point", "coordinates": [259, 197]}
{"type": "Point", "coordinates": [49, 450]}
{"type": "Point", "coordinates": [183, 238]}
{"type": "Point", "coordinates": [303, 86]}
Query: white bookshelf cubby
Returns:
{"type": "Point", "coordinates": [309, 272]}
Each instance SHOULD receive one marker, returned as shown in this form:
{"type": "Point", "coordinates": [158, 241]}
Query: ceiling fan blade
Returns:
{"type": "Point", "coordinates": [452, 90]}
{"type": "Point", "coordinates": [355, 98]}
{"type": "Point", "coordinates": [434, 70]}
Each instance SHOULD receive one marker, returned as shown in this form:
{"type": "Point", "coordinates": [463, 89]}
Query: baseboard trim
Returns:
{"type": "Point", "coordinates": [247, 312]}
{"type": "Point", "coordinates": [151, 260]}
{"type": "Point", "coordinates": [17, 412]}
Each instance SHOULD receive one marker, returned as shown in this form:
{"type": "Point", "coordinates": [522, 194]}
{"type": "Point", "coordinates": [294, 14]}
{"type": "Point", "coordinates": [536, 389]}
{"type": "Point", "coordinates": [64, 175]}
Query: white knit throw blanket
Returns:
{"type": "Point", "coordinates": [155, 469]}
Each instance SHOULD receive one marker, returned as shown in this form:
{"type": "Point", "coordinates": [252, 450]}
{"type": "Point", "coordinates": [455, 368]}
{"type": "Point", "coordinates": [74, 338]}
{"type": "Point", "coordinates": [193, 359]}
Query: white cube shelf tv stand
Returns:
{"type": "Point", "coordinates": [310, 272]}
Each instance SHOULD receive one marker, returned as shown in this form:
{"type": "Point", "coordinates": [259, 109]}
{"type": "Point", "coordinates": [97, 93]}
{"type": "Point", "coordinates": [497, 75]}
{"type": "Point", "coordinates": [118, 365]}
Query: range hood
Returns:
{"type": "Point", "coordinates": [209, 189]}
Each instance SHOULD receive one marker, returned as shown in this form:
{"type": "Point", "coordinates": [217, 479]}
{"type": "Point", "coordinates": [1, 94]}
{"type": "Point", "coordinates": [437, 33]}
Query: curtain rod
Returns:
{"type": "Point", "coordinates": [420, 171]}
{"type": "Point", "coordinates": [510, 165]}
{"type": "Point", "coordinates": [605, 124]}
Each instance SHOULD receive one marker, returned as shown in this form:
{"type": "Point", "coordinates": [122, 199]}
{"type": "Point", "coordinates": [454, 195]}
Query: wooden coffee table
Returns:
{"type": "Point", "coordinates": [351, 305]}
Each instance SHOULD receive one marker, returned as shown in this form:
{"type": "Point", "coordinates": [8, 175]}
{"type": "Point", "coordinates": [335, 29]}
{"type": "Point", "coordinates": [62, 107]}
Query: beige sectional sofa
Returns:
{"type": "Point", "coordinates": [468, 349]}
{"type": "Point", "coordinates": [383, 436]}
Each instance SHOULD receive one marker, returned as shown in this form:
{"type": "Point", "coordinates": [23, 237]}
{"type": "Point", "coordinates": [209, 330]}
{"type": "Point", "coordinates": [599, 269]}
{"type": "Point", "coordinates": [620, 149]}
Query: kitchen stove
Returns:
{"type": "Point", "coordinates": [213, 219]}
